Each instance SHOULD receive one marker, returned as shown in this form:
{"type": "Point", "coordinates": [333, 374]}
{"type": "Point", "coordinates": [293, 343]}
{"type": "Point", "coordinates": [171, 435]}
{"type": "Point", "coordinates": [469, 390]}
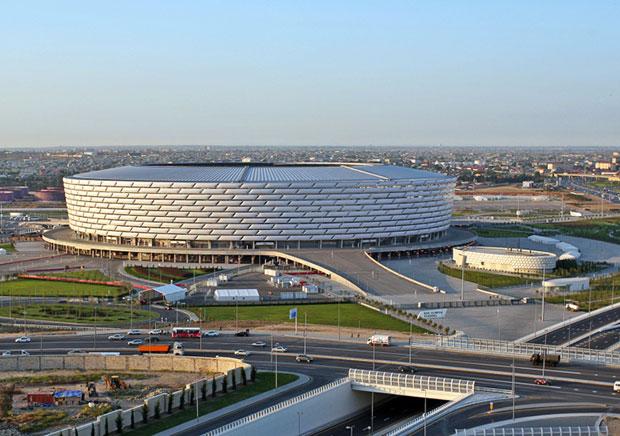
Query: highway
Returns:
{"type": "Point", "coordinates": [600, 340]}
{"type": "Point", "coordinates": [574, 383]}
{"type": "Point", "coordinates": [565, 334]}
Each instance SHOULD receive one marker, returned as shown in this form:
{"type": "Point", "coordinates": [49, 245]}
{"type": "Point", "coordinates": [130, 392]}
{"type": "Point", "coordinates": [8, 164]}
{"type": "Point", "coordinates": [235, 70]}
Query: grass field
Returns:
{"type": "Point", "coordinates": [265, 381]}
{"type": "Point", "coordinates": [600, 298]}
{"type": "Point", "coordinates": [606, 229]}
{"type": "Point", "coordinates": [42, 288]}
{"type": "Point", "coordinates": [8, 247]}
{"type": "Point", "coordinates": [351, 315]}
{"type": "Point", "coordinates": [165, 275]}
{"type": "Point", "coordinates": [484, 278]}
{"type": "Point", "coordinates": [87, 274]}
{"type": "Point", "coordinates": [77, 313]}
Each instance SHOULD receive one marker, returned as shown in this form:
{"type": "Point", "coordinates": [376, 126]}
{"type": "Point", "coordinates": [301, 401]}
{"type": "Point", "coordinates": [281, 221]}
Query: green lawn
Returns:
{"type": "Point", "coordinates": [165, 275]}
{"type": "Point", "coordinates": [78, 313]}
{"type": "Point", "coordinates": [43, 288]}
{"type": "Point", "coordinates": [265, 381]}
{"type": "Point", "coordinates": [484, 278]}
{"type": "Point", "coordinates": [606, 229]}
{"type": "Point", "coordinates": [600, 299]}
{"type": "Point", "coordinates": [8, 247]}
{"type": "Point", "coordinates": [351, 315]}
{"type": "Point", "coordinates": [87, 274]}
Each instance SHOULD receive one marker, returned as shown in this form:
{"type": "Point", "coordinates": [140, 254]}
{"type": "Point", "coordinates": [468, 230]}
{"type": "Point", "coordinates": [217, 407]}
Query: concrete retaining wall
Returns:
{"type": "Point", "coordinates": [224, 365]}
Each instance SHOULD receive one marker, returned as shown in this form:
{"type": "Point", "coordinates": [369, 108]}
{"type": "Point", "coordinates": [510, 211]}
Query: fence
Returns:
{"type": "Point", "coordinates": [505, 348]}
{"type": "Point", "coordinates": [406, 381]}
{"type": "Point", "coordinates": [275, 408]}
{"type": "Point", "coordinates": [410, 426]}
{"type": "Point", "coordinates": [537, 431]}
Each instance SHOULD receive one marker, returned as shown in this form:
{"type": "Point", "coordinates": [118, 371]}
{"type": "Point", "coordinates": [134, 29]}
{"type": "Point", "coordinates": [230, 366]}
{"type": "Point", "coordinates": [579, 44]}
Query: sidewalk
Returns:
{"type": "Point", "coordinates": [303, 379]}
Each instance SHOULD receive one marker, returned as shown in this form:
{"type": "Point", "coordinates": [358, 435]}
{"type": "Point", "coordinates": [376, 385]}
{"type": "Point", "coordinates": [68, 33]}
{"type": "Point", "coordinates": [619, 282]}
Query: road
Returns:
{"type": "Point", "coordinates": [570, 382]}
{"type": "Point", "coordinates": [600, 340]}
{"type": "Point", "coordinates": [578, 328]}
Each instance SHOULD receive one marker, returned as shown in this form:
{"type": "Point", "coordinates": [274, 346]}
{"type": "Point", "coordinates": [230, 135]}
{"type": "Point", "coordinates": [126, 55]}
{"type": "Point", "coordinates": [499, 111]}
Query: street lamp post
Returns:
{"type": "Point", "coordinates": [350, 428]}
{"type": "Point", "coordinates": [410, 333]}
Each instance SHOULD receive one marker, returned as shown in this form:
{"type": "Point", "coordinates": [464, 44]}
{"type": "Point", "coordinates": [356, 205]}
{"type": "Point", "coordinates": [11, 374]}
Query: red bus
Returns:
{"type": "Point", "coordinates": [185, 332]}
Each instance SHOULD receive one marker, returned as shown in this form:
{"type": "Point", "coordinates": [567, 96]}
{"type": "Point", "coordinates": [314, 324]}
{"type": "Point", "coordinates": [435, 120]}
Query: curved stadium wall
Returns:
{"type": "Point", "coordinates": [259, 205]}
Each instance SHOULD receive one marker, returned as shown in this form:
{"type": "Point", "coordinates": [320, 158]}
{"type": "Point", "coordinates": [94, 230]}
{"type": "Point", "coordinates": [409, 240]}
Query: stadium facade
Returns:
{"type": "Point", "coordinates": [249, 206]}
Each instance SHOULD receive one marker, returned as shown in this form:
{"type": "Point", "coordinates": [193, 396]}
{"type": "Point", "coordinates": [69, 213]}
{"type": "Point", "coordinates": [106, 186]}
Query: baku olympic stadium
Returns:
{"type": "Point", "coordinates": [198, 208]}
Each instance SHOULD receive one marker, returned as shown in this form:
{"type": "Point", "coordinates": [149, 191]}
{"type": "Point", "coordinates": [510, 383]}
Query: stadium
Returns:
{"type": "Point", "coordinates": [249, 206]}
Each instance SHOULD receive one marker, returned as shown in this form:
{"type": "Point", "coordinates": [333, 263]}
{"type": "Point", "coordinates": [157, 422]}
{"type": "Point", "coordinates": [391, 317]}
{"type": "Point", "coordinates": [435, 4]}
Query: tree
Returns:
{"type": "Point", "coordinates": [182, 400]}
{"type": "Point", "coordinates": [92, 429]}
{"type": "Point", "coordinates": [244, 377]}
{"type": "Point", "coordinates": [253, 374]}
{"type": "Point", "coordinates": [225, 384]}
{"type": "Point", "coordinates": [170, 403]}
{"type": "Point", "coordinates": [133, 419]}
{"type": "Point", "coordinates": [234, 380]}
{"type": "Point", "coordinates": [106, 427]}
{"type": "Point", "coordinates": [119, 423]}
{"type": "Point", "coordinates": [192, 394]}
{"type": "Point", "coordinates": [203, 391]}
{"type": "Point", "coordinates": [145, 413]}
{"type": "Point", "coordinates": [213, 387]}
{"type": "Point", "coordinates": [157, 410]}
{"type": "Point", "coordinates": [6, 399]}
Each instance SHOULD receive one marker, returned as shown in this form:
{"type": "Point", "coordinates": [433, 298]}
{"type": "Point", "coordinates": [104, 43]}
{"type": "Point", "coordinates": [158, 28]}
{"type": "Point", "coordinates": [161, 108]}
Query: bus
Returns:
{"type": "Point", "coordinates": [185, 332]}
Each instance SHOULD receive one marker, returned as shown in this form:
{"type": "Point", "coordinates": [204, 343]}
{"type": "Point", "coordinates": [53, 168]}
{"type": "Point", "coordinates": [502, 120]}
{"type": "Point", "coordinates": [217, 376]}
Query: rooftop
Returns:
{"type": "Point", "coordinates": [258, 172]}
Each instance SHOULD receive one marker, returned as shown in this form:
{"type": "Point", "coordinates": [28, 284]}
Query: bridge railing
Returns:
{"type": "Point", "coordinates": [417, 422]}
{"type": "Point", "coordinates": [506, 348]}
{"type": "Point", "coordinates": [588, 430]}
{"type": "Point", "coordinates": [417, 382]}
{"type": "Point", "coordinates": [275, 408]}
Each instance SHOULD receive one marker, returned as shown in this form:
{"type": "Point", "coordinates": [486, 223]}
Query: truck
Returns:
{"type": "Point", "coordinates": [176, 348]}
{"type": "Point", "coordinates": [537, 359]}
{"type": "Point", "coordinates": [383, 340]}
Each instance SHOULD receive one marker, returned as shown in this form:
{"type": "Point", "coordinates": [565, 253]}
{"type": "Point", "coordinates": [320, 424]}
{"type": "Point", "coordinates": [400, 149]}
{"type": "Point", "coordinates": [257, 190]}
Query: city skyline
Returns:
{"type": "Point", "coordinates": [481, 74]}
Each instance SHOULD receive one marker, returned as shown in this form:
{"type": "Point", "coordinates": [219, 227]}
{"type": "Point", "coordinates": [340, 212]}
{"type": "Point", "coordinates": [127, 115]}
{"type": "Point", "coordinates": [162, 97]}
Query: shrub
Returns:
{"type": "Point", "coordinates": [157, 410]}
{"type": "Point", "coordinates": [133, 419]}
{"type": "Point", "coordinates": [119, 423]}
{"type": "Point", "coordinates": [244, 377]}
{"type": "Point", "coordinates": [192, 394]}
{"type": "Point", "coordinates": [145, 413]}
{"type": "Point", "coordinates": [170, 403]}
{"type": "Point", "coordinates": [225, 384]}
{"type": "Point", "coordinates": [253, 374]}
{"type": "Point", "coordinates": [203, 391]}
{"type": "Point", "coordinates": [234, 380]}
{"type": "Point", "coordinates": [106, 428]}
{"type": "Point", "coordinates": [213, 387]}
{"type": "Point", "coordinates": [92, 429]}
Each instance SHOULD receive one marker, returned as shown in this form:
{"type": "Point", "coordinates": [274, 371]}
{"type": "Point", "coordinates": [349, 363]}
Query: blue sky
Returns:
{"type": "Point", "coordinates": [503, 73]}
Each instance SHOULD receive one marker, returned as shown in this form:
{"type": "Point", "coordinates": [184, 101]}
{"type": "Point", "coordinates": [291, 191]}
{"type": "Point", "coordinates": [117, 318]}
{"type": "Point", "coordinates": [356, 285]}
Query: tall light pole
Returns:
{"type": "Point", "coordinates": [410, 333]}
{"type": "Point", "coordinates": [338, 319]}
{"type": "Point", "coordinates": [305, 330]}
{"type": "Point", "coordinates": [463, 260]}
{"type": "Point", "coordinates": [542, 312]}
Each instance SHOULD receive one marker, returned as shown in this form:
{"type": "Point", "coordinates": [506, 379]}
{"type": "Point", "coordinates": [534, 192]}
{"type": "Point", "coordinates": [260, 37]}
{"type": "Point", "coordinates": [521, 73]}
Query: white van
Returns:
{"type": "Point", "coordinates": [617, 386]}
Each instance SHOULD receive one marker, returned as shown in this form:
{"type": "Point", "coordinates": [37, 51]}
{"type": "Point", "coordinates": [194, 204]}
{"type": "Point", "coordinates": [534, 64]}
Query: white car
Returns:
{"type": "Point", "coordinates": [241, 353]}
{"type": "Point", "coordinates": [116, 337]}
{"type": "Point", "coordinates": [15, 353]}
{"type": "Point", "coordinates": [135, 342]}
{"type": "Point", "coordinates": [76, 351]}
{"type": "Point", "coordinates": [259, 344]}
{"type": "Point", "coordinates": [134, 332]}
{"type": "Point", "coordinates": [23, 339]}
{"type": "Point", "coordinates": [156, 332]}
{"type": "Point", "coordinates": [279, 349]}
{"type": "Point", "coordinates": [211, 333]}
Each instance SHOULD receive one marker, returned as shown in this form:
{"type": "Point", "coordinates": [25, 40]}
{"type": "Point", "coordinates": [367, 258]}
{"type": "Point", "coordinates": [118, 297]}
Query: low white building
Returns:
{"type": "Point", "coordinates": [568, 284]}
{"type": "Point", "coordinates": [500, 259]}
{"type": "Point", "coordinates": [171, 293]}
{"type": "Point", "coordinates": [236, 295]}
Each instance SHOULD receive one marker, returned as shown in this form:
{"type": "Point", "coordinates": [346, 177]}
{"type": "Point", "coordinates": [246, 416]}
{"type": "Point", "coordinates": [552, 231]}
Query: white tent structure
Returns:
{"type": "Point", "coordinates": [236, 295]}
{"type": "Point", "coordinates": [171, 293]}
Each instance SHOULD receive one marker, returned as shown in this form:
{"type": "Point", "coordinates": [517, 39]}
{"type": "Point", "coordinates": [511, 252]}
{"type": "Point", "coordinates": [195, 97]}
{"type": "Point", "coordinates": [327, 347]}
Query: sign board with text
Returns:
{"type": "Point", "coordinates": [433, 314]}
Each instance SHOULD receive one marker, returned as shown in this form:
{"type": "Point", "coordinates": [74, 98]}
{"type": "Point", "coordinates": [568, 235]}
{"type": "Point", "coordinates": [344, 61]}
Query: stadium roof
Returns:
{"type": "Point", "coordinates": [249, 173]}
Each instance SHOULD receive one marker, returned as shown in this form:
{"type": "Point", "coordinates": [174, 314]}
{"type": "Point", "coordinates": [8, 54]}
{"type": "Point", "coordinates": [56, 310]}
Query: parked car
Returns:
{"type": "Point", "coordinates": [541, 381]}
{"type": "Point", "coordinates": [407, 369]}
{"type": "Point", "coordinates": [304, 358]}
{"type": "Point", "coordinates": [279, 349]}
{"type": "Point", "coordinates": [16, 353]}
{"type": "Point", "coordinates": [134, 332]}
{"type": "Point", "coordinates": [117, 337]}
{"type": "Point", "coordinates": [23, 339]}
{"type": "Point", "coordinates": [76, 351]}
{"type": "Point", "coordinates": [259, 344]}
{"type": "Point", "coordinates": [211, 333]}
{"type": "Point", "coordinates": [245, 332]}
{"type": "Point", "coordinates": [241, 353]}
{"type": "Point", "coordinates": [157, 332]}
{"type": "Point", "coordinates": [135, 342]}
